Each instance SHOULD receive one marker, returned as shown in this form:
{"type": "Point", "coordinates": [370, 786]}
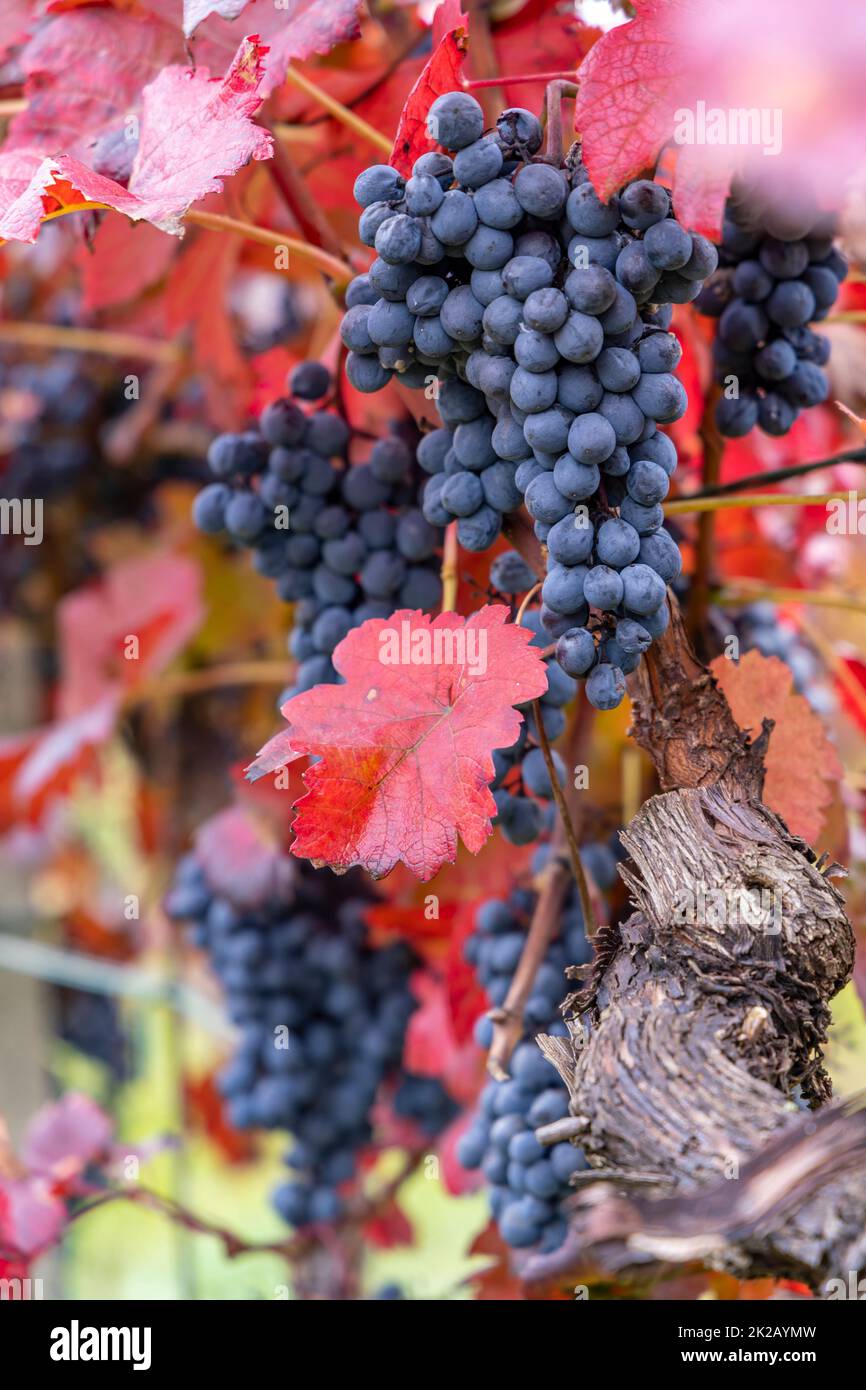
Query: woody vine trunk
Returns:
{"type": "Point", "coordinates": [694, 1061]}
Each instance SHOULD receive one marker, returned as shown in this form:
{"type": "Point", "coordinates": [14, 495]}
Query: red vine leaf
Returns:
{"type": "Point", "coordinates": [38, 767]}
{"type": "Point", "coordinates": [441, 74]}
{"type": "Point", "coordinates": [405, 746]}
{"type": "Point", "coordinates": [153, 599]}
{"type": "Point", "coordinates": [801, 762]}
{"type": "Point", "coordinates": [194, 132]}
{"type": "Point", "coordinates": [293, 31]}
{"type": "Point", "coordinates": [628, 85]}
{"type": "Point", "coordinates": [389, 1227]}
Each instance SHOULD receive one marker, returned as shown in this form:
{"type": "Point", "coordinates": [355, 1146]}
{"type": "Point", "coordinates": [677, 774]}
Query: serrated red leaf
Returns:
{"type": "Point", "coordinates": [442, 73]}
{"type": "Point", "coordinates": [241, 859]}
{"type": "Point", "coordinates": [801, 762]}
{"type": "Point", "coordinates": [193, 133]}
{"type": "Point", "coordinates": [629, 83]}
{"type": "Point", "coordinates": [293, 32]}
{"type": "Point", "coordinates": [84, 72]}
{"type": "Point", "coordinates": [405, 748]}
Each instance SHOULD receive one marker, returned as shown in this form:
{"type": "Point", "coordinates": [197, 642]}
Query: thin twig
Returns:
{"type": "Point", "coordinates": [749, 590]}
{"type": "Point", "coordinates": [449, 572]}
{"type": "Point", "coordinates": [833, 661]}
{"type": "Point", "coordinates": [557, 1130]}
{"type": "Point", "coordinates": [567, 825]}
{"type": "Point", "coordinates": [520, 78]}
{"type": "Point", "coordinates": [340, 112]}
{"type": "Point", "coordinates": [508, 1019]}
{"type": "Point", "coordinates": [484, 59]}
{"type": "Point", "coordinates": [338, 270]}
{"type": "Point", "coordinates": [215, 678]}
{"type": "Point", "coordinates": [108, 344]}
{"type": "Point", "coordinates": [527, 599]}
{"type": "Point", "coordinates": [683, 506]}
{"type": "Point", "coordinates": [781, 475]}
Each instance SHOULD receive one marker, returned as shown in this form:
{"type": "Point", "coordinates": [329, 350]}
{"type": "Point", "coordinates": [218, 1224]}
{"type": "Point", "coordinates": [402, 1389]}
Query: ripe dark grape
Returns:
{"type": "Point", "coordinates": [772, 282]}
{"type": "Point", "coordinates": [347, 536]}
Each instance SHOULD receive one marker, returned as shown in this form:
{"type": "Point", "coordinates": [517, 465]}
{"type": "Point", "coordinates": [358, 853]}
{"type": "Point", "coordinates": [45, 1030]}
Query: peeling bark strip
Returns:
{"type": "Point", "coordinates": [696, 1044]}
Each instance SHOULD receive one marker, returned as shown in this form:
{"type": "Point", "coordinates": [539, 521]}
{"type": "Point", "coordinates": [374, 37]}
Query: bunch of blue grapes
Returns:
{"type": "Point", "coordinates": [343, 542]}
{"type": "Point", "coordinates": [527, 1181]}
{"type": "Point", "coordinates": [322, 1020]}
{"type": "Point", "coordinates": [779, 271]}
{"type": "Point", "coordinates": [542, 313]}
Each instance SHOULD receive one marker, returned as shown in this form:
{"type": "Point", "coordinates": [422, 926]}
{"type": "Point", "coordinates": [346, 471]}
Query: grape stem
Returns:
{"type": "Point", "coordinates": [567, 824]}
{"type": "Point", "coordinates": [508, 1019]}
{"type": "Point", "coordinates": [448, 572]}
{"type": "Point", "coordinates": [527, 599]}
{"type": "Point", "coordinates": [709, 505]}
{"type": "Point", "coordinates": [339, 112]}
{"type": "Point", "coordinates": [338, 270]}
{"type": "Point", "coordinates": [556, 91]}
{"type": "Point", "coordinates": [521, 77]}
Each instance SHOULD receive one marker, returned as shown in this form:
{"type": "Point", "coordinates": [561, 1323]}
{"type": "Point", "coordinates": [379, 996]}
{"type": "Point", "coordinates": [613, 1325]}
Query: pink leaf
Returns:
{"type": "Point", "coordinates": [297, 30]}
{"type": "Point", "coordinates": [31, 1217]}
{"type": "Point", "coordinates": [130, 625]}
{"type": "Point", "coordinates": [629, 83]}
{"type": "Point", "coordinates": [241, 860]}
{"type": "Point", "coordinates": [194, 133]}
{"type": "Point", "coordinates": [405, 745]}
{"type": "Point", "coordinates": [66, 1136]}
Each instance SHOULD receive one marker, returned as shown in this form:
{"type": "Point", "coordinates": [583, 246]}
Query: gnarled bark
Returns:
{"type": "Point", "coordinates": [695, 1051]}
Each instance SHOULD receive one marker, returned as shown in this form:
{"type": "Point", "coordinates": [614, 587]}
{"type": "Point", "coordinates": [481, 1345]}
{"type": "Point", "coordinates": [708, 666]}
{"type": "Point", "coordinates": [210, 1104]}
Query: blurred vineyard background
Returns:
{"type": "Point", "coordinates": [99, 993]}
